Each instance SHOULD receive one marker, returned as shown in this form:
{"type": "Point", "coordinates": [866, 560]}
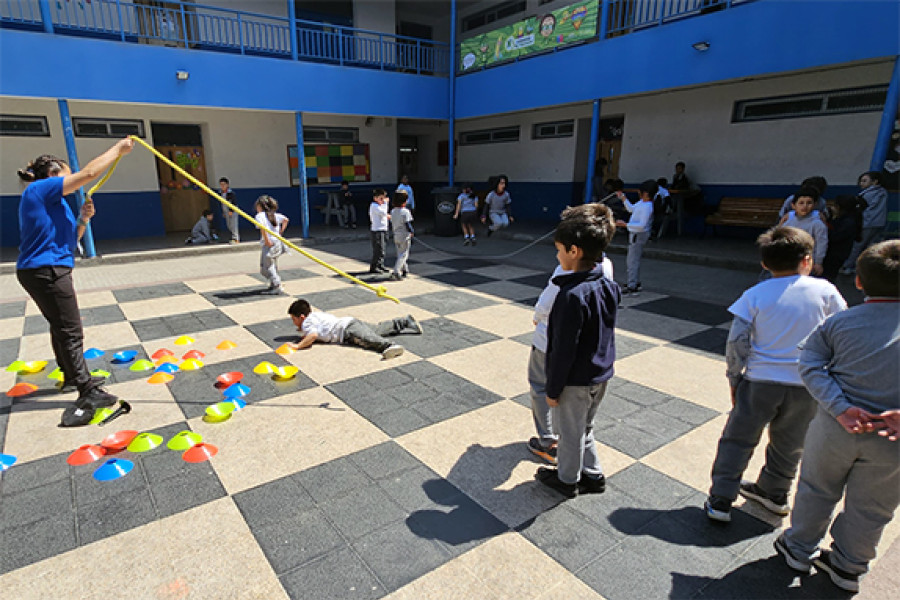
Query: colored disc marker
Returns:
{"type": "Point", "coordinates": [183, 440]}
{"type": "Point", "coordinates": [238, 403]}
{"type": "Point", "coordinates": [21, 389]}
{"type": "Point", "coordinates": [160, 353]}
{"type": "Point", "coordinates": [6, 461]}
{"type": "Point", "coordinates": [227, 379]}
{"type": "Point", "coordinates": [226, 345]}
{"type": "Point", "coordinates": [284, 350]}
{"type": "Point", "coordinates": [15, 366]}
{"type": "Point", "coordinates": [264, 368]}
{"type": "Point", "coordinates": [199, 453]}
{"type": "Point", "coordinates": [56, 374]}
{"type": "Point", "coordinates": [191, 364]}
{"type": "Point", "coordinates": [125, 356]}
{"type": "Point", "coordinates": [100, 373]}
{"type": "Point", "coordinates": [168, 368]}
{"type": "Point", "coordinates": [158, 378]}
{"type": "Point", "coordinates": [220, 410]}
{"type": "Point", "coordinates": [114, 468]}
{"type": "Point", "coordinates": [141, 365]}
{"type": "Point", "coordinates": [238, 390]}
{"type": "Point", "coordinates": [34, 366]}
{"type": "Point", "coordinates": [144, 442]}
{"type": "Point", "coordinates": [193, 354]}
{"type": "Point", "coordinates": [92, 353]}
{"type": "Point", "coordinates": [119, 440]}
{"type": "Point", "coordinates": [86, 454]}
{"type": "Point", "coordinates": [168, 358]}
{"type": "Point", "coordinates": [100, 414]}
{"type": "Point", "coordinates": [184, 340]}
{"type": "Point", "coordinates": [286, 372]}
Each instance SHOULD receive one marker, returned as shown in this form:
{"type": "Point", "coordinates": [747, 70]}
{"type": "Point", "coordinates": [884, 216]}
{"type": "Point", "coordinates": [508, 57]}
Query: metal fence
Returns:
{"type": "Point", "coordinates": [626, 16]}
{"type": "Point", "coordinates": [189, 25]}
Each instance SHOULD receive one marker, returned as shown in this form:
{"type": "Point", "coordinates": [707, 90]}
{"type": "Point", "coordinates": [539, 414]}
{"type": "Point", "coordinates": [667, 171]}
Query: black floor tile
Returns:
{"type": "Point", "coordinates": [283, 499]}
{"type": "Point", "coordinates": [568, 537]}
{"type": "Point", "coordinates": [459, 526]}
{"type": "Point", "coordinates": [151, 292]}
{"type": "Point", "coordinates": [662, 327]}
{"type": "Point", "coordinates": [650, 487]}
{"type": "Point", "coordinates": [332, 480]}
{"type": "Point", "coordinates": [35, 473]}
{"type": "Point", "coordinates": [344, 511]}
{"type": "Point", "coordinates": [296, 539]}
{"type": "Point", "coordinates": [448, 302]}
{"type": "Point", "coordinates": [628, 346]}
{"type": "Point", "coordinates": [710, 340]}
{"type": "Point", "coordinates": [23, 545]}
{"type": "Point", "coordinates": [339, 575]}
{"type": "Point", "coordinates": [348, 295]}
{"type": "Point", "coordinates": [236, 296]}
{"type": "Point", "coordinates": [177, 325]}
{"type": "Point", "coordinates": [115, 514]}
{"type": "Point", "coordinates": [101, 315]}
{"type": "Point", "coordinates": [442, 335]}
{"type": "Point", "coordinates": [35, 325]}
{"type": "Point", "coordinates": [9, 351]}
{"type": "Point", "coordinates": [36, 504]}
{"type": "Point", "coordinates": [688, 310]}
{"type": "Point", "coordinates": [276, 332]}
{"type": "Point", "coordinates": [459, 278]}
{"type": "Point", "coordinates": [187, 490]}
{"type": "Point", "coordinates": [524, 338]}
{"type": "Point", "coordinates": [15, 308]}
{"type": "Point", "coordinates": [464, 264]}
{"type": "Point", "coordinates": [398, 556]}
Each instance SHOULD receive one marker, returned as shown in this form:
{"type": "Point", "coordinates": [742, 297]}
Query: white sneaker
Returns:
{"type": "Point", "coordinates": [392, 351]}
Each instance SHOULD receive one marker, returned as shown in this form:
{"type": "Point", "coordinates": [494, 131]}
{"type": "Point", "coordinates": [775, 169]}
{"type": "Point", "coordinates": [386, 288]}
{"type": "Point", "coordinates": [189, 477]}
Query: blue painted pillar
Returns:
{"type": "Point", "coordinates": [301, 169]}
{"type": "Point", "coordinates": [292, 24]}
{"type": "Point", "coordinates": [46, 16]}
{"type": "Point", "coordinates": [87, 241]}
{"type": "Point", "coordinates": [451, 123]}
{"type": "Point", "coordinates": [592, 155]}
{"type": "Point", "coordinates": [888, 116]}
{"type": "Point", "coordinates": [604, 20]}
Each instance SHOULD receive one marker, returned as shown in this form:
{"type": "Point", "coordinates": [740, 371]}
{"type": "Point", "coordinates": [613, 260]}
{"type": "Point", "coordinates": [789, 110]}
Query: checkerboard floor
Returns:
{"type": "Point", "coordinates": [365, 478]}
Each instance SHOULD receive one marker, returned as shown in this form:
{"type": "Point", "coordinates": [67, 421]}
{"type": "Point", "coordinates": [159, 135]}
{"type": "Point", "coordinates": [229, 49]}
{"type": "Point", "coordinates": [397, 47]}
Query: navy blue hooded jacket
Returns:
{"type": "Point", "coordinates": [581, 345]}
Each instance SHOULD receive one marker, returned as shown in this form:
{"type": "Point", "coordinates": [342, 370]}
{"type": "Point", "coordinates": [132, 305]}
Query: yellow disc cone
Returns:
{"type": "Point", "coordinates": [184, 340]}
{"type": "Point", "coordinates": [264, 368]}
{"type": "Point", "coordinates": [191, 364]}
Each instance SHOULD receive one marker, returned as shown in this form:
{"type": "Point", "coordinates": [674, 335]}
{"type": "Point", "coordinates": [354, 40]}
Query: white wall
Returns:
{"type": "Point", "coordinates": [695, 126]}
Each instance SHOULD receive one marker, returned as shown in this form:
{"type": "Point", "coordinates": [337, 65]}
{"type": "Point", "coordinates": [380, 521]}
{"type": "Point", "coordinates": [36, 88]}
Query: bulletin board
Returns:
{"type": "Point", "coordinates": [331, 163]}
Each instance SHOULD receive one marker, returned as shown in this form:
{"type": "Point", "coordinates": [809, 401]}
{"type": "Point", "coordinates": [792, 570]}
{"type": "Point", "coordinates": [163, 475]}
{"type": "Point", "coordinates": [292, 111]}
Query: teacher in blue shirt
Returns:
{"type": "Point", "coordinates": [49, 233]}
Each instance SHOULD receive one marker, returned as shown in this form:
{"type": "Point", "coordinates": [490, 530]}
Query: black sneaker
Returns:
{"type": "Point", "coordinates": [95, 398]}
{"type": "Point", "coordinates": [793, 561]}
{"type": "Point", "coordinates": [413, 325]}
{"type": "Point", "coordinates": [548, 455]}
{"type": "Point", "coordinates": [66, 387]}
{"type": "Point", "coordinates": [842, 579]}
{"type": "Point", "coordinates": [637, 289]}
{"type": "Point", "coordinates": [718, 509]}
{"type": "Point", "coordinates": [384, 270]}
{"type": "Point", "coordinates": [474, 243]}
{"type": "Point", "coordinates": [75, 416]}
{"type": "Point", "coordinates": [550, 478]}
{"type": "Point", "coordinates": [591, 485]}
{"type": "Point", "coordinates": [466, 242]}
{"type": "Point", "coordinates": [774, 504]}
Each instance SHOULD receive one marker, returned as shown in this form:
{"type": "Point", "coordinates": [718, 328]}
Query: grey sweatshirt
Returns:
{"type": "Point", "coordinates": [853, 359]}
{"type": "Point", "coordinates": [814, 226]}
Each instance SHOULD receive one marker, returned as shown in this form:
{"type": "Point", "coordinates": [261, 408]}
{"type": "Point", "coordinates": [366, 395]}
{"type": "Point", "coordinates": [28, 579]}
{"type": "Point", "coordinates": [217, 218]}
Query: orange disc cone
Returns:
{"type": "Point", "coordinates": [193, 354]}
{"type": "Point", "coordinates": [161, 352]}
{"type": "Point", "coordinates": [21, 389]}
{"type": "Point", "coordinates": [226, 345]}
{"type": "Point", "coordinates": [118, 440]}
{"type": "Point", "coordinates": [284, 349]}
{"type": "Point", "coordinates": [86, 454]}
{"type": "Point", "coordinates": [168, 358]}
{"type": "Point", "coordinates": [199, 453]}
{"type": "Point", "coordinates": [157, 378]}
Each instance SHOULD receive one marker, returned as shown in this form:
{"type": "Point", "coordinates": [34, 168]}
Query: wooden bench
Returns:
{"type": "Point", "coordinates": [746, 212]}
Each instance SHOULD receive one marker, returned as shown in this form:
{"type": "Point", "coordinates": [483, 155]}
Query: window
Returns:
{"type": "Point", "coordinates": [24, 125]}
{"type": "Point", "coordinates": [489, 136]}
{"type": "Point", "coordinates": [556, 129]}
{"type": "Point", "coordinates": [498, 11]}
{"type": "Point", "coordinates": [330, 135]}
{"type": "Point", "coordinates": [835, 102]}
{"type": "Point", "coordinates": [107, 128]}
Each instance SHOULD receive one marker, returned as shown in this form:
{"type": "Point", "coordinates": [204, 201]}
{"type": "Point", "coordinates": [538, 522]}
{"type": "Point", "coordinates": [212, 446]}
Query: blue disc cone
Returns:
{"type": "Point", "coordinates": [238, 390]}
{"type": "Point", "coordinates": [6, 461]}
{"type": "Point", "coordinates": [93, 353]}
{"type": "Point", "coordinates": [238, 403]}
{"type": "Point", "coordinates": [167, 368]}
{"type": "Point", "coordinates": [124, 356]}
{"type": "Point", "coordinates": [114, 468]}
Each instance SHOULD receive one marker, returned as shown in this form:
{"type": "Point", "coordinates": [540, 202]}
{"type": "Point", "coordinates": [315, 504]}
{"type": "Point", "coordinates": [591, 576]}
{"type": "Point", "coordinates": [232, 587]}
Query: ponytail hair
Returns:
{"type": "Point", "coordinates": [44, 166]}
{"type": "Point", "coordinates": [269, 206]}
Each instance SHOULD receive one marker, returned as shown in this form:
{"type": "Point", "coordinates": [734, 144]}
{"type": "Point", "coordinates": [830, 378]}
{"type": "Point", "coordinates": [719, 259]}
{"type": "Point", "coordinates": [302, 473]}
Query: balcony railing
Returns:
{"type": "Point", "coordinates": [625, 16]}
{"type": "Point", "coordinates": [189, 25]}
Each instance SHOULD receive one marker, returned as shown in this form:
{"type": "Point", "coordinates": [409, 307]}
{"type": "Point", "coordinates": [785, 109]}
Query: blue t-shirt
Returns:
{"type": "Point", "coordinates": [47, 226]}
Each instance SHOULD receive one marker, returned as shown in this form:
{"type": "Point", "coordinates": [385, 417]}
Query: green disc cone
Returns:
{"type": "Point", "coordinates": [144, 442]}
{"type": "Point", "coordinates": [15, 366]}
{"type": "Point", "coordinates": [220, 410]}
{"type": "Point", "coordinates": [141, 365]}
{"type": "Point", "coordinates": [100, 414]}
{"type": "Point", "coordinates": [184, 440]}
{"type": "Point", "coordinates": [100, 373]}
{"type": "Point", "coordinates": [56, 374]}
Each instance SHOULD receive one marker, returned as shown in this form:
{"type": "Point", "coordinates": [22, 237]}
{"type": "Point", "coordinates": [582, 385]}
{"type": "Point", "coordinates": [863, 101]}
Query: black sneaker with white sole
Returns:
{"type": "Point", "coordinates": [844, 580]}
{"type": "Point", "coordinates": [774, 504]}
{"type": "Point", "coordinates": [95, 398]}
{"type": "Point", "coordinates": [75, 416]}
{"type": "Point", "coordinates": [550, 478]}
{"type": "Point", "coordinates": [591, 485]}
{"type": "Point", "coordinates": [718, 509]}
{"type": "Point", "coordinates": [793, 561]}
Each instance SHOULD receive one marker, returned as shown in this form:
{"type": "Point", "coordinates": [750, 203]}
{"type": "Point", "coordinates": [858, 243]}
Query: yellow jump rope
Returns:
{"type": "Point", "coordinates": [379, 290]}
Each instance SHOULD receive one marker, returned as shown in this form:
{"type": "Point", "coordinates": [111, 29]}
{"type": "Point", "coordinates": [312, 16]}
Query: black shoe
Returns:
{"type": "Point", "coordinates": [550, 478]}
{"type": "Point", "coordinates": [548, 455]}
{"type": "Point", "coordinates": [413, 325]}
{"type": "Point", "coordinates": [66, 387]}
{"type": "Point", "coordinates": [95, 398]}
{"type": "Point", "coordinates": [591, 485]}
{"type": "Point", "coordinates": [718, 509]}
{"type": "Point", "coordinates": [794, 562]}
{"type": "Point", "coordinates": [474, 243]}
{"type": "Point", "coordinates": [384, 270]}
{"type": "Point", "coordinates": [74, 416]}
{"type": "Point", "coordinates": [774, 504]}
{"type": "Point", "coordinates": [842, 579]}
{"type": "Point", "coordinates": [466, 242]}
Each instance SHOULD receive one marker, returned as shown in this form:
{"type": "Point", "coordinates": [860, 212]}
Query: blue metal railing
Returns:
{"type": "Point", "coordinates": [189, 25]}
{"type": "Point", "coordinates": [626, 16]}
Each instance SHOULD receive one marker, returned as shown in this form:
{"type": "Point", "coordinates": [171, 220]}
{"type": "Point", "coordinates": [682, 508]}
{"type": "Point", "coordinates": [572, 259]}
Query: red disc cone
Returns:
{"type": "Point", "coordinates": [161, 352]}
{"type": "Point", "coordinates": [199, 453]}
{"type": "Point", "coordinates": [118, 440]}
{"type": "Point", "coordinates": [193, 354]}
{"type": "Point", "coordinates": [86, 454]}
{"type": "Point", "coordinates": [226, 379]}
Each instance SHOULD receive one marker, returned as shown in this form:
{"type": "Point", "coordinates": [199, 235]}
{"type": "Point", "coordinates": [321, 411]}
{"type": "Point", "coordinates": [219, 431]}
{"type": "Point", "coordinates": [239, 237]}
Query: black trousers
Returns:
{"type": "Point", "coordinates": [52, 290]}
{"type": "Point", "coordinates": [379, 243]}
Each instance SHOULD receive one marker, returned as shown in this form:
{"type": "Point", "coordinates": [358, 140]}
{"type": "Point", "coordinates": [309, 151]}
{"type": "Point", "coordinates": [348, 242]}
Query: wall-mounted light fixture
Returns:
{"type": "Point", "coordinates": [700, 46]}
{"type": "Point", "coordinates": [182, 75]}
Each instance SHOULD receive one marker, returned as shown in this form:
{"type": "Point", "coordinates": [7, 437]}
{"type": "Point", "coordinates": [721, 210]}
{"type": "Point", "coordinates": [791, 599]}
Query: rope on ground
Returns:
{"type": "Point", "coordinates": [379, 290]}
{"type": "Point", "coordinates": [417, 240]}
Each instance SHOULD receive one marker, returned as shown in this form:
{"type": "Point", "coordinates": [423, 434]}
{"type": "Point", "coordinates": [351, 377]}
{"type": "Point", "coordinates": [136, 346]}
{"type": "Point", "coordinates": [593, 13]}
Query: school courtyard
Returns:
{"type": "Point", "coordinates": [365, 478]}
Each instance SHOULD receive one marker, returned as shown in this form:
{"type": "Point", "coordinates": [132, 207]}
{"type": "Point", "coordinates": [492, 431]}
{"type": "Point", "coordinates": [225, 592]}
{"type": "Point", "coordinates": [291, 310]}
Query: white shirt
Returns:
{"type": "Point", "coordinates": [411, 203]}
{"type": "Point", "coordinates": [641, 215]}
{"type": "Point", "coordinates": [263, 220]}
{"type": "Point", "coordinates": [378, 216]}
{"type": "Point", "coordinates": [545, 303]}
{"type": "Point", "coordinates": [327, 327]}
{"type": "Point", "coordinates": [783, 311]}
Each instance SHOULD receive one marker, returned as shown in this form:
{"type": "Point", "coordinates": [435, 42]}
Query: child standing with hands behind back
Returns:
{"type": "Point", "coordinates": [580, 350]}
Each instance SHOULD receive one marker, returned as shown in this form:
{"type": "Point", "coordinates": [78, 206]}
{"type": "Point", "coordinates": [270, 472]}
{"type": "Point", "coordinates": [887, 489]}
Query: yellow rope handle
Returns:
{"type": "Point", "coordinates": [379, 290]}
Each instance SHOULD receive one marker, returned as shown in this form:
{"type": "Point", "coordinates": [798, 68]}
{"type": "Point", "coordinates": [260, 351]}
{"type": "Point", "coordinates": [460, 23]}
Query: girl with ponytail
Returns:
{"type": "Point", "coordinates": [268, 218]}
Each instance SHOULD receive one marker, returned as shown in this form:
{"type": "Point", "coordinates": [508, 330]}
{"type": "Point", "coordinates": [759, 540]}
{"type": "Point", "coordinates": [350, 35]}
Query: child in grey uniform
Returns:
{"type": "Point", "coordinates": [849, 364]}
{"type": "Point", "coordinates": [401, 223]}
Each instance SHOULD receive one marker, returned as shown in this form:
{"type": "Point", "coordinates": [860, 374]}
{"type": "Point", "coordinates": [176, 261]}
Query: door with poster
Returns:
{"type": "Point", "coordinates": [610, 145]}
{"type": "Point", "coordinates": [182, 201]}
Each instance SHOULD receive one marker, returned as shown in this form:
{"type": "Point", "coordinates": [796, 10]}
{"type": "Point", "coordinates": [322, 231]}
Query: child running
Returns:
{"type": "Point", "coordinates": [580, 350]}
{"type": "Point", "coordinates": [545, 444]}
{"type": "Point", "coordinates": [379, 219]}
{"type": "Point", "coordinates": [771, 320]}
{"type": "Point", "coordinates": [268, 218]}
{"type": "Point", "coordinates": [638, 233]}
{"type": "Point", "coordinates": [324, 327]}
{"type": "Point", "coordinates": [401, 223]}
{"type": "Point", "coordinates": [849, 364]}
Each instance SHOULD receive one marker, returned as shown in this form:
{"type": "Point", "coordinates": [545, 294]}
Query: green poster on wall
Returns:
{"type": "Point", "coordinates": [563, 26]}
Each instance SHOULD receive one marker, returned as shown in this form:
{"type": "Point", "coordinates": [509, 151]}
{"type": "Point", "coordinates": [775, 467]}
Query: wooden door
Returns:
{"type": "Point", "coordinates": [182, 202]}
{"type": "Point", "coordinates": [611, 150]}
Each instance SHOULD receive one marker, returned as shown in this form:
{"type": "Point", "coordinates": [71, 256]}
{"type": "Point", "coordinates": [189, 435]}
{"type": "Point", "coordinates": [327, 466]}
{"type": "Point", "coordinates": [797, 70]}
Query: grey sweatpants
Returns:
{"type": "Point", "coordinates": [636, 243]}
{"type": "Point", "coordinates": [787, 410]}
{"type": "Point", "coordinates": [862, 468]}
{"type": "Point", "coordinates": [403, 243]}
{"type": "Point", "coordinates": [574, 422]}
{"type": "Point", "coordinates": [372, 337]}
{"type": "Point", "coordinates": [537, 379]}
{"type": "Point", "coordinates": [268, 267]}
